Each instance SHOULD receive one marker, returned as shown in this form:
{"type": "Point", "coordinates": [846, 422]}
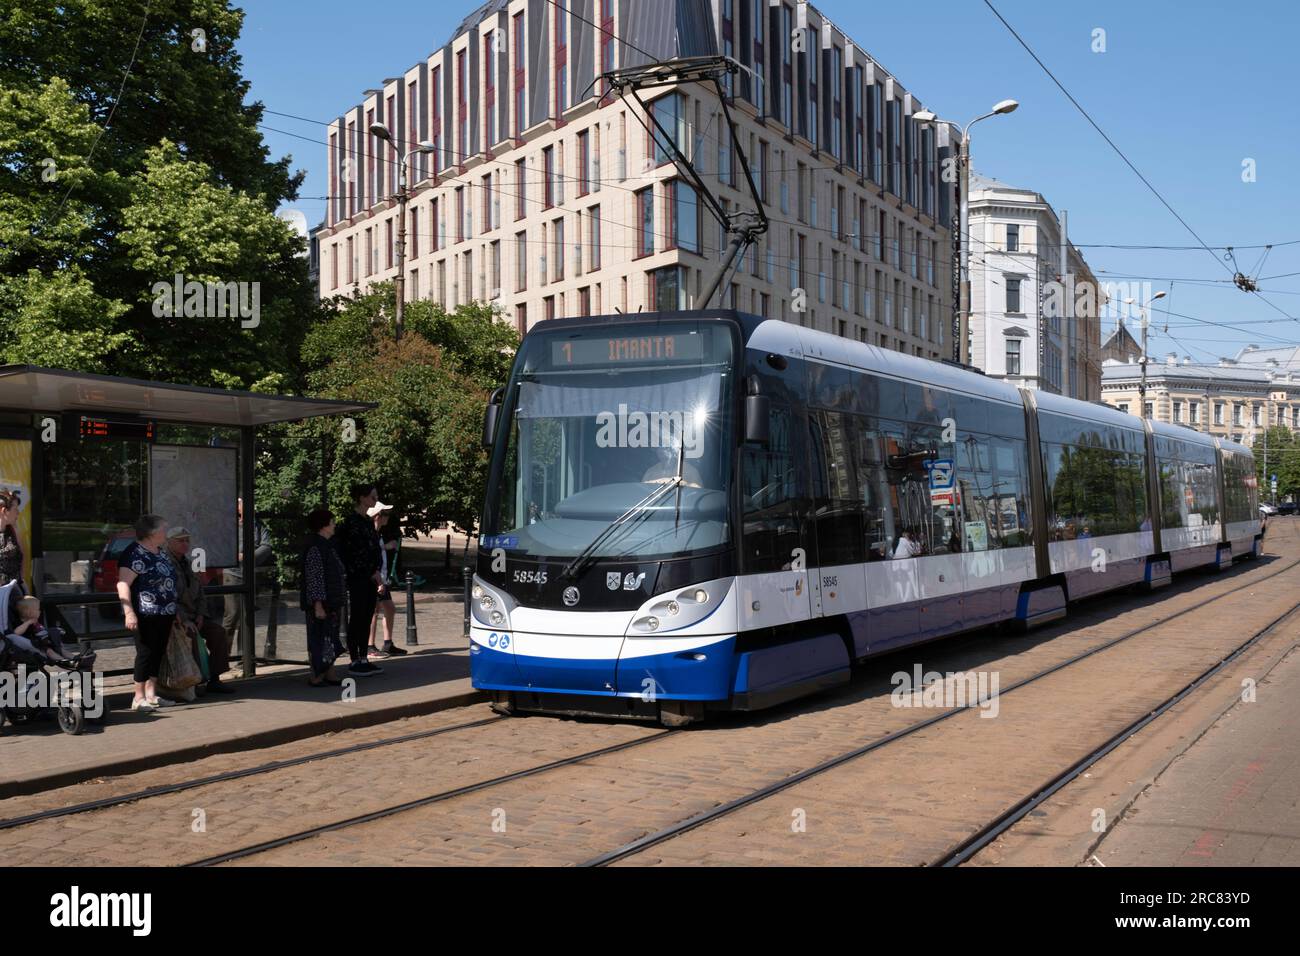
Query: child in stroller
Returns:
{"type": "Point", "coordinates": [25, 653]}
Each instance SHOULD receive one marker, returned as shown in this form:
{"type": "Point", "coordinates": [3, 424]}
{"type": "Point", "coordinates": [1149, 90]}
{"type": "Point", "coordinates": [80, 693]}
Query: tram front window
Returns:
{"type": "Point", "coordinates": [598, 422]}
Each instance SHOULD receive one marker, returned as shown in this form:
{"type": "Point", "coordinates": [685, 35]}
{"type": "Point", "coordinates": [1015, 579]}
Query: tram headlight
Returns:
{"type": "Point", "coordinates": [675, 610]}
{"type": "Point", "coordinates": [489, 606]}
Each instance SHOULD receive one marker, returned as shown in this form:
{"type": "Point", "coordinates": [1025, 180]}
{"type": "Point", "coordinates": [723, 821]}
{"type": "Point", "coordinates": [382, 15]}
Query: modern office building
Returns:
{"type": "Point", "coordinates": [1022, 329]}
{"type": "Point", "coordinates": [546, 195]}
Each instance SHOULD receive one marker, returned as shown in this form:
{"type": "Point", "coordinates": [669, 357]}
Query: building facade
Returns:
{"type": "Point", "coordinates": [1029, 324]}
{"type": "Point", "coordinates": [546, 196]}
{"type": "Point", "coordinates": [1230, 400]}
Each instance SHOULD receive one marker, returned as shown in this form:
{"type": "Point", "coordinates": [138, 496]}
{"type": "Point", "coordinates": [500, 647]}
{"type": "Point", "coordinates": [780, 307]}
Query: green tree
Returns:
{"type": "Point", "coordinates": [1277, 453]}
{"type": "Point", "coordinates": [420, 444]}
{"type": "Point", "coordinates": [94, 213]}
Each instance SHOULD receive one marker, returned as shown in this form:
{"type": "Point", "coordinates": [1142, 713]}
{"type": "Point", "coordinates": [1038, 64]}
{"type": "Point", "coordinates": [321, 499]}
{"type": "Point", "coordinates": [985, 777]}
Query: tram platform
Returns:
{"type": "Point", "coordinates": [275, 707]}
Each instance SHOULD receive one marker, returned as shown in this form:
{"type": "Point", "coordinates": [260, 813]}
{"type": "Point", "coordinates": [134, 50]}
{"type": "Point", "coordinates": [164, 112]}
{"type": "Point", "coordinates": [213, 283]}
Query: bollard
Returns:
{"type": "Point", "coordinates": [446, 555]}
{"type": "Point", "coordinates": [411, 637]}
{"type": "Point", "coordinates": [468, 573]}
{"type": "Point", "coordinates": [272, 621]}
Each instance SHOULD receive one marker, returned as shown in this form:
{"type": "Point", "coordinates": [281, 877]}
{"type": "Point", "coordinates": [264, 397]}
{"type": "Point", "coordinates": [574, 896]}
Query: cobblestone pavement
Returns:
{"type": "Point", "coordinates": [903, 804]}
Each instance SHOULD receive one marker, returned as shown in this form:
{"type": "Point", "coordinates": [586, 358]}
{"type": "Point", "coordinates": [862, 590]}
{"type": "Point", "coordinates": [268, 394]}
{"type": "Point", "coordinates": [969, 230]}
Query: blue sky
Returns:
{"type": "Point", "coordinates": [1188, 90]}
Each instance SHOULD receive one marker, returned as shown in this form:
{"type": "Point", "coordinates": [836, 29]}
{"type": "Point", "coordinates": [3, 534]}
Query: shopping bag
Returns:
{"type": "Point", "coordinates": [179, 672]}
{"type": "Point", "coordinates": [201, 652]}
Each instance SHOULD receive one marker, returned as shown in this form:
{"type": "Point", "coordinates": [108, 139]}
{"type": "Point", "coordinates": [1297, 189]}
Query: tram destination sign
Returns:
{"type": "Point", "coordinates": [627, 350]}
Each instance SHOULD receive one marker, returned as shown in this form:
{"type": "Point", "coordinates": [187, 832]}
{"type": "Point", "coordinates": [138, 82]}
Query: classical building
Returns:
{"type": "Point", "coordinates": [1031, 320]}
{"type": "Point", "coordinates": [1230, 399]}
{"type": "Point", "coordinates": [545, 195]}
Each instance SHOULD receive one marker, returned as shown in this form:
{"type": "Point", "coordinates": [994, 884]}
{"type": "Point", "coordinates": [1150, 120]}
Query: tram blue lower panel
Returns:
{"type": "Point", "coordinates": [1199, 556]}
{"type": "Point", "coordinates": [701, 673]}
{"type": "Point", "coordinates": [889, 628]}
{"type": "Point", "coordinates": [771, 675]}
{"type": "Point", "coordinates": [1118, 574]}
{"type": "Point", "coordinates": [493, 670]}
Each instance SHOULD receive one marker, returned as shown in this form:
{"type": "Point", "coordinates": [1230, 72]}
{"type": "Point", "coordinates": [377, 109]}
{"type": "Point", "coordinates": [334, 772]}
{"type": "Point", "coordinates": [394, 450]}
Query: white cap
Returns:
{"type": "Point", "coordinates": [377, 508]}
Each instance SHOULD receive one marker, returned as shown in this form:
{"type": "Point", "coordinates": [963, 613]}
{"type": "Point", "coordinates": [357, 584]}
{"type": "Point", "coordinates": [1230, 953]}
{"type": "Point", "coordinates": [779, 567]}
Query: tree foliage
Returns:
{"type": "Point", "coordinates": [93, 213]}
{"type": "Point", "coordinates": [420, 444]}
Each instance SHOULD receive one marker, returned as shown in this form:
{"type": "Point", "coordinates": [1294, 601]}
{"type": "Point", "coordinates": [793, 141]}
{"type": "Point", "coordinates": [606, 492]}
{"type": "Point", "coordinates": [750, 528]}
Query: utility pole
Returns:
{"type": "Point", "coordinates": [963, 181]}
{"type": "Point", "coordinates": [381, 132]}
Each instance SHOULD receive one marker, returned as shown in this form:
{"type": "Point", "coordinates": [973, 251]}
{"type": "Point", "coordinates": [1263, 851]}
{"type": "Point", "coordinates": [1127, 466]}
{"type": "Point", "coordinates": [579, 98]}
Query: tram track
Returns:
{"type": "Point", "coordinates": [161, 790]}
{"type": "Point", "coordinates": [989, 832]}
{"type": "Point", "coordinates": [775, 787]}
{"type": "Point", "coordinates": [324, 828]}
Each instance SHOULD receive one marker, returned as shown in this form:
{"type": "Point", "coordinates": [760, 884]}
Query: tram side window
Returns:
{"type": "Point", "coordinates": [1239, 487]}
{"type": "Point", "coordinates": [1011, 492]}
{"type": "Point", "coordinates": [769, 493]}
{"type": "Point", "coordinates": [979, 521]}
{"type": "Point", "coordinates": [838, 503]}
{"type": "Point", "coordinates": [1093, 491]}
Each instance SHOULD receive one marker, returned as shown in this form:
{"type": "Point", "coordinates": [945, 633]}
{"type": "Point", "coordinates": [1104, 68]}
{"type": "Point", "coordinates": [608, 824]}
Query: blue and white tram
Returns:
{"type": "Point", "coordinates": [697, 511]}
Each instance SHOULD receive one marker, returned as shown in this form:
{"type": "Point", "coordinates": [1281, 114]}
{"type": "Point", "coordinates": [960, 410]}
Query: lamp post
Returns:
{"type": "Point", "coordinates": [380, 131]}
{"type": "Point", "coordinates": [963, 172]}
{"type": "Point", "coordinates": [1142, 381]}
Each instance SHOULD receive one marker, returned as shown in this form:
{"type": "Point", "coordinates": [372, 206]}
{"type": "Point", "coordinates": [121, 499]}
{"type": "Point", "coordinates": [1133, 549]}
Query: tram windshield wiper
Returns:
{"type": "Point", "coordinates": [641, 507]}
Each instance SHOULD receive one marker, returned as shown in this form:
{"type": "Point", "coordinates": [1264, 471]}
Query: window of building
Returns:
{"type": "Point", "coordinates": [606, 37]}
{"type": "Point", "coordinates": [561, 85]}
{"type": "Point", "coordinates": [521, 261]}
{"type": "Point", "coordinates": [520, 74]}
{"type": "Point", "coordinates": [548, 177]}
{"type": "Point", "coordinates": [1013, 356]}
{"type": "Point", "coordinates": [462, 109]}
{"type": "Point", "coordinates": [669, 126]}
{"type": "Point", "coordinates": [521, 189]}
{"type": "Point", "coordinates": [1013, 238]}
{"type": "Point", "coordinates": [1013, 295]}
{"type": "Point", "coordinates": [557, 249]}
{"type": "Point", "coordinates": [593, 237]}
{"type": "Point", "coordinates": [1218, 413]}
{"type": "Point", "coordinates": [584, 161]}
{"type": "Point", "coordinates": [667, 288]}
{"type": "Point", "coordinates": [645, 221]}
{"type": "Point", "coordinates": [685, 212]}
{"type": "Point", "coordinates": [1178, 412]}
{"type": "Point", "coordinates": [415, 232]}
{"type": "Point", "coordinates": [489, 92]}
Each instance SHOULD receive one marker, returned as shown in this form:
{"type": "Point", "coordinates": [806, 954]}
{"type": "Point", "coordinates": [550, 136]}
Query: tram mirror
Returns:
{"type": "Point", "coordinates": [490, 415]}
{"type": "Point", "coordinates": [758, 411]}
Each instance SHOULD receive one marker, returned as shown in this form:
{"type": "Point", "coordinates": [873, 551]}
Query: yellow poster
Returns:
{"type": "Point", "coordinates": [16, 476]}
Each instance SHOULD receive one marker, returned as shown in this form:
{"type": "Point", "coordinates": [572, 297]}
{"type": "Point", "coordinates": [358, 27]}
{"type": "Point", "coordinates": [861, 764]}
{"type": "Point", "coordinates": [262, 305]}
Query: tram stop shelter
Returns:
{"type": "Point", "coordinates": [90, 453]}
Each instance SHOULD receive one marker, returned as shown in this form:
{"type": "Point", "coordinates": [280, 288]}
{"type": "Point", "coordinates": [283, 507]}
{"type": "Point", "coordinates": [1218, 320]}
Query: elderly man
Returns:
{"type": "Point", "coordinates": [190, 606]}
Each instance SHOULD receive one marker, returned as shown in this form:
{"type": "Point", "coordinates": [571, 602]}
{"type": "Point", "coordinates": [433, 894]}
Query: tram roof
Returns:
{"type": "Point", "coordinates": [30, 388]}
{"type": "Point", "coordinates": [774, 335]}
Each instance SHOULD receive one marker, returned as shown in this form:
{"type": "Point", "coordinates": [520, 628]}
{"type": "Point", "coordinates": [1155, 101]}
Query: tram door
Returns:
{"type": "Point", "coordinates": [778, 555]}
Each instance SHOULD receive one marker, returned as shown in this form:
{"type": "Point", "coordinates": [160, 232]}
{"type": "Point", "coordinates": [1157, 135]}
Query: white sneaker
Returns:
{"type": "Point", "coordinates": [143, 704]}
{"type": "Point", "coordinates": [162, 702]}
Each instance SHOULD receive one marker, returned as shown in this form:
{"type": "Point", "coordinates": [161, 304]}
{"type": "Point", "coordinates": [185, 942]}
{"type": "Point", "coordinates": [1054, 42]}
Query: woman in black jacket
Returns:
{"type": "Point", "coordinates": [322, 597]}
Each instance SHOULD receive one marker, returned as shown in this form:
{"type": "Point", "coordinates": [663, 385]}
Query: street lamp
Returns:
{"type": "Point", "coordinates": [926, 116]}
{"type": "Point", "coordinates": [1142, 382]}
{"type": "Point", "coordinates": [380, 132]}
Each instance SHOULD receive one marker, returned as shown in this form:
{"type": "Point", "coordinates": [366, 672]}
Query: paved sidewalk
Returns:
{"type": "Point", "coordinates": [1233, 798]}
{"type": "Point", "coordinates": [266, 710]}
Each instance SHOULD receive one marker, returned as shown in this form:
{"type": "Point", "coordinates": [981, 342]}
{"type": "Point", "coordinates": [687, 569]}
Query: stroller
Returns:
{"type": "Point", "coordinates": [33, 668]}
